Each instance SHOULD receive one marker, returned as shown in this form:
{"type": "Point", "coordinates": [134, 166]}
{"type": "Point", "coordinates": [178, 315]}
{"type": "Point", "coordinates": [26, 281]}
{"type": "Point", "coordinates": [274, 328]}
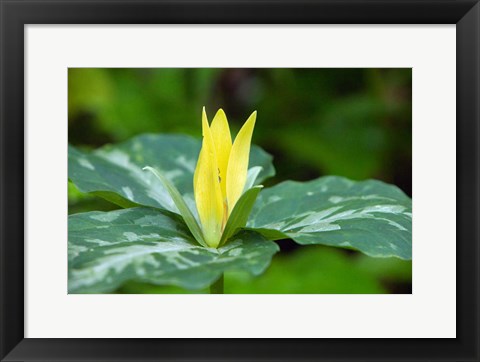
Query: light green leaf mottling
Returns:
{"type": "Point", "coordinates": [369, 216]}
{"type": "Point", "coordinates": [107, 249]}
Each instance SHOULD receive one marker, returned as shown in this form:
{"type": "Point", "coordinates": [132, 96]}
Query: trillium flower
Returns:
{"type": "Point", "coordinates": [221, 173]}
{"type": "Point", "coordinates": [222, 184]}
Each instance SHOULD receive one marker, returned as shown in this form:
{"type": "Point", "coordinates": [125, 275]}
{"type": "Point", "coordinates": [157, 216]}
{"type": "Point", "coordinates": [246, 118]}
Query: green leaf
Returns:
{"type": "Point", "coordinates": [369, 216]}
{"type": "Point", "coordinates": [181, 206]}
{"type": "Point", "coordinates": [117, 169]}
{"type": "Point", "coordinates": [107, 249]}
{"type": "Point", "coordinates": [240, 213]}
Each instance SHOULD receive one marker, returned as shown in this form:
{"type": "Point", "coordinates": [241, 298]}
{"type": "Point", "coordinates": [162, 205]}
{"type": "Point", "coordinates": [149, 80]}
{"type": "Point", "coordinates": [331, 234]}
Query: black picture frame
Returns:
{"type": "Point", "coordinates": [15, 14]}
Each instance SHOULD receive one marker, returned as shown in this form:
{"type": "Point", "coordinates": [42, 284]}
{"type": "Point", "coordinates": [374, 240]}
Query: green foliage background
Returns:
{"type": "Point", "coordinates": [348, 122]}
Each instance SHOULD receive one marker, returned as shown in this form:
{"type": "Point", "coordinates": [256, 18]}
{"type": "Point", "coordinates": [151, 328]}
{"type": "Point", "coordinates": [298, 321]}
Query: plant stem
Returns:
{"type": "Point", "coordinates": [217, 287]}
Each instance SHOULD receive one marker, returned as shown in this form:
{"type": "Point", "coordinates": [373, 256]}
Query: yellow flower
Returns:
{"type": "Point", "coordinates": [221, 173]}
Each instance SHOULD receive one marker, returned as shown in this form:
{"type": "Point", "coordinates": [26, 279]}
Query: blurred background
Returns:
{"type": "Point", "coordinates": [351, 122]}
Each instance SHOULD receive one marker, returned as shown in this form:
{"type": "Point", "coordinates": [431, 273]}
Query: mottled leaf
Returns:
{"type": "Point", "coordinates": [369, 216]}
{"type": "Point", "coordinates": [107, 249]}
{"type": "Point", "coordinates": [115, 171]}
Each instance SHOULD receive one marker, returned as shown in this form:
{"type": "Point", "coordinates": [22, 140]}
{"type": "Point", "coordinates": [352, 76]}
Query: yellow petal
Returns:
{"type": "Point", "coordinates": [238, 162]}
{"type": "Point", "coordinates": [208, 194]}
{"type": "Point", "coordinates": [223, 144]}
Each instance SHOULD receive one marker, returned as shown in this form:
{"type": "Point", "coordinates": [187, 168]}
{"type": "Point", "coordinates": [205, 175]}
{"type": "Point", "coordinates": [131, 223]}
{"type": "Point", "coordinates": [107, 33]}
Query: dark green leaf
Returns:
{"type": "Point", "coordinates": [240, 213]}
